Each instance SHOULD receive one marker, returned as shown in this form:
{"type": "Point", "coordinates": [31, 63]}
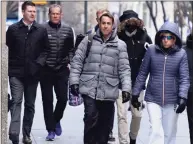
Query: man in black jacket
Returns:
{"type": "Point", "coordinates": [188, 49]}
{"type": "Point", "coordinates": [28, 47]}
{"type": "Point", "coordinates": [56, 71]}
{"type": "Point", "coordinates": [131, 30]}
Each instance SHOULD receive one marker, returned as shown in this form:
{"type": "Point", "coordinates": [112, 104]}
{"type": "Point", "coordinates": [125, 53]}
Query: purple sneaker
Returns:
{"type": "Point", "coordinates": [51, 136]}
{"type": "Point", "coordinates": [58, 129]}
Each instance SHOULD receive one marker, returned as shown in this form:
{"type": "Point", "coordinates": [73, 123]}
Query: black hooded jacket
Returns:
{"type": "Point", "coordinates": [135, 49]}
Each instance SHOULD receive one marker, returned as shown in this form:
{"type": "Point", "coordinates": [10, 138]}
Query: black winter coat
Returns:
{"type": "Point", "coordinates": [27, 49]}
{"type": "Point", "coordinates": [61, 41]}
{"type": "Point", "coordinates": [135, 49]}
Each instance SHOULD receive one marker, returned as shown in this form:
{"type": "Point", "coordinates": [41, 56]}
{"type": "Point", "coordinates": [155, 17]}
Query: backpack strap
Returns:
{"type": "Point", "coordinates": [90, 39]}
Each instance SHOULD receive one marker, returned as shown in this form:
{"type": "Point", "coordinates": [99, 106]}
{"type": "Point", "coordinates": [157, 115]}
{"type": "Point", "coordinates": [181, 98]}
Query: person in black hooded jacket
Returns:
{"type": "Point", "coordinates": [188, 49]}
{"type": "Point", "coordinates": [131, 30]}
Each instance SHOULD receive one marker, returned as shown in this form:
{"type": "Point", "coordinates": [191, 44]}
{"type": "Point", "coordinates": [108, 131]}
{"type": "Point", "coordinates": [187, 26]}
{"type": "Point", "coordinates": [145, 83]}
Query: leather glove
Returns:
{"type": "Point", "coordinates": [125, 96]}
{"type": "Point", "coordinates": [134, 101]}
{"type": "Point", "coordinates": [75, 89]}
{"type": "Point", "coordinates": [181, 105]}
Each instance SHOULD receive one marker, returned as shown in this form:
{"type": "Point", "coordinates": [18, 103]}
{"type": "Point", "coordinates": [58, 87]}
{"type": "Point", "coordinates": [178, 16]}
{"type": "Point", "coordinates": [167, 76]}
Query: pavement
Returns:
{"type": "Point", "coordinates": [72, 124]}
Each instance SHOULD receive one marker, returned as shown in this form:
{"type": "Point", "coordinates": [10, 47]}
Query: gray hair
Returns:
{"type": "Point", "coordinates": [54, 6]}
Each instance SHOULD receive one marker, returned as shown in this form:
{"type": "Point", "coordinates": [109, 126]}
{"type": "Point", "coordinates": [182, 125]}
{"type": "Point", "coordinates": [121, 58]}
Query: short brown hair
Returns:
{"type": "Point", "coordinates": [27, 3]}
{"type": "Point", "coordinates": [107, 15]}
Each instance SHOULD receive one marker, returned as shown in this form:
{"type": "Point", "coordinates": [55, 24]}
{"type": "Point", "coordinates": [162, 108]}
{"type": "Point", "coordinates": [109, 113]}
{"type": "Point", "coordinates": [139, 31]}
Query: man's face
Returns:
{"type": "Point", "coordinates": [29, 14]}
{"type": "Point", "coordinates": [55, 15]}
{"type": "Point", "coordinates": [106, 25]}
{"type": "Point", "coordinates": [168, 40]}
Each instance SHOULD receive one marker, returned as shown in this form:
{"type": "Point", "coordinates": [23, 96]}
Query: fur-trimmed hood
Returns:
{"type": "Point", "coordinates": [132, 21]}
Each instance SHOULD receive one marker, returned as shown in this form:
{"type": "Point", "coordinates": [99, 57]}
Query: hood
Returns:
{"type": "Point", "coordinates": [136, 22]}
{"type": "Point", "coordinates": [189, 41]}
{"type": "Point", "coordinates": [172, 28]}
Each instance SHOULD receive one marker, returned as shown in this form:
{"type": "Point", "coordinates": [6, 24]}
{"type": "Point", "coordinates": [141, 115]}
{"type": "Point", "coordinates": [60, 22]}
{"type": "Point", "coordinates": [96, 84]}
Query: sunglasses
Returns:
{"type": "Point", "coordinates": [167, 37]}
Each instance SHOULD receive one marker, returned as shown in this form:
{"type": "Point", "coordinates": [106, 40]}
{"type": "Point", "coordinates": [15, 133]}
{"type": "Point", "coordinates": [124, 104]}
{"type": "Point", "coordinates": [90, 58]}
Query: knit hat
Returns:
{"type": "Point", "coordinates": [127, 15]}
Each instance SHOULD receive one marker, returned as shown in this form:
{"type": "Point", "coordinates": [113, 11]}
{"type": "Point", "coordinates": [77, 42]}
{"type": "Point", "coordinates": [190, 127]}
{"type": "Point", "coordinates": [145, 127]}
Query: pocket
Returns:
{"type": "Point", "coordinates": [87, 85]}
{"type": "Point", "coordinates": [111, 88]}
{"type": "Point", "coordinates": [87, 80]}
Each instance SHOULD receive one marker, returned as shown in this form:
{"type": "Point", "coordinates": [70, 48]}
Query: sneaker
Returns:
{"type": "Point", "coordinates": [51, 136]}
{"type": "Point", "coordinates": [111, 137]}
{"type": "Point", "coordinates": [58, 129]}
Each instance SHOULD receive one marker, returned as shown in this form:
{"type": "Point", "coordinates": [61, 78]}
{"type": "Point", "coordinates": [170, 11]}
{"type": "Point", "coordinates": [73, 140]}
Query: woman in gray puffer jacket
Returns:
{"type": "Point", "coordinates": [168, 84]}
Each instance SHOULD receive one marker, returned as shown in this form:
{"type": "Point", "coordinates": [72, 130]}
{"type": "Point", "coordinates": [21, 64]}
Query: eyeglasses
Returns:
{"type": "Point", "coordinates": [167, 37]}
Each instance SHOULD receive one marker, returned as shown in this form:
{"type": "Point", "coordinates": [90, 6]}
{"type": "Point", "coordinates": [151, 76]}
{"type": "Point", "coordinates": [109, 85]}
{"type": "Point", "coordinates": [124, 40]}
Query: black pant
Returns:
{"type": "Point", "coordinates": [18, 86]}
{"type": "Point", "coordinates": [97, 119]}
{"type": "Point", "coordinates": [112, 120]}
{"type": "Point", "coordinates": [51, 79]}
{"type": "Point", "coordinates": [190, 115]}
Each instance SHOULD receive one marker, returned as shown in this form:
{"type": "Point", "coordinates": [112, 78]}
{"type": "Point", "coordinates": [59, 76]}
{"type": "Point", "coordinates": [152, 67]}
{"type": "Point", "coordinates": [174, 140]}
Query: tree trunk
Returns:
{"type": "Point", "coordinates": [164, 12]}
{"type": "Point", "coordinates": [150, 6]}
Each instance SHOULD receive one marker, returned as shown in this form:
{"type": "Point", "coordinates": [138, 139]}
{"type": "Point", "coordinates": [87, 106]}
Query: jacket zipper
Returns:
{"type": "Point", "coordinates": [164, 78]}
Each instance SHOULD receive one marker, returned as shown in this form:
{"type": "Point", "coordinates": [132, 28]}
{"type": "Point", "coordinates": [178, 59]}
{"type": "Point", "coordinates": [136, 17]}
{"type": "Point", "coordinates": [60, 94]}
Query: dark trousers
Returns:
{"type": "Point", "coordinates": [28, 87]}
{"type": "Point", "coordinates": [97, 117]}
{"type": "Point", "coordinates": [112, 120]}
{"type": "Point", "coordinates": [50, 80]}
{"type": "Point", "coordinates": [190, 115]}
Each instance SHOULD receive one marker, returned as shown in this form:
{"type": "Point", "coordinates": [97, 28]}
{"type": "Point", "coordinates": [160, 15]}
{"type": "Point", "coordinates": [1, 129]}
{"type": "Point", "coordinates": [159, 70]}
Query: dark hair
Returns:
{"type": "Point", "coordinates": [27, 3]}
{"type": "Point", "coordinates": [107, 15]}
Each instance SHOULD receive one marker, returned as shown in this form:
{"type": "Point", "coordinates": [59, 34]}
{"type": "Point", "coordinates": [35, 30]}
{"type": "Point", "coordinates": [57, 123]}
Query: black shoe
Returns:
{"type": "Point", "coordinates": [132, 141]}
{"type": "Point", "coordinates": [111, 137]}
{"type": "Point", "coordinates": [27, 140]}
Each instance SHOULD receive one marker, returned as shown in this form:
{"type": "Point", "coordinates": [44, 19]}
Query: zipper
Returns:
{"type": "Point", "coordinates": [99, 71]}
{"type": "Point", "coordinates": [165, 58]}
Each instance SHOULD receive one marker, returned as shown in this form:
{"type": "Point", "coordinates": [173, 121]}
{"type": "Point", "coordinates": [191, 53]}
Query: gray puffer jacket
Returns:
{"type": "Point", "coordinates": [169, 74]}
{"type": "Point", "coordinates": [106, 65]}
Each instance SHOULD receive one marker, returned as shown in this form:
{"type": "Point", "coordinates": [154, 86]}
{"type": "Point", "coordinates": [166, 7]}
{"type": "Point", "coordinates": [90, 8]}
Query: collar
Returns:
{"type": "Point", "coordinates": [53, 25]}
{"type": "Point", "coordinates": [21, 24]}
{"type": "Point", "coordinates": [29, 25]}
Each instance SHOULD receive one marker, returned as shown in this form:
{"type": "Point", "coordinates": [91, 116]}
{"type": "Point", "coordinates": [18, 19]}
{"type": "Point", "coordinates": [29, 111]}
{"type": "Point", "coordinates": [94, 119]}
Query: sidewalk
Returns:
{"type": "Point", "coordinates": [72, 124]}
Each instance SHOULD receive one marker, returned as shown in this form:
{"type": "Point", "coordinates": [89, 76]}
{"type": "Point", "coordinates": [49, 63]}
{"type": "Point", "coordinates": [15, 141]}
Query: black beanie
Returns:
{"type": "Point", "coordinates": [127, 15]}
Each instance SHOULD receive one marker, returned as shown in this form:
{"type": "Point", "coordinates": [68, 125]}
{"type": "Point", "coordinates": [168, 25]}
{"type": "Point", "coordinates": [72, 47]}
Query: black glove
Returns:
{"type": "Point", "coordinates": [135, 102]}
{"type": "Point", "coordinates": [125, 96]}
{"type": "Point", "coordinates": [75, 89]}
{"type": "Point", "coordinates": [181, 105]}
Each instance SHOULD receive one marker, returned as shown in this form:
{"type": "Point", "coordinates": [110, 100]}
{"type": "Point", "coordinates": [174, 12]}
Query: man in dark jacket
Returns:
{"type": "Point", "coordinates": [131, 30]}
{"type": "Point", "coordinates": [28, 47]}
{"type": "Point", "coordinates": [188, 49]}
{"type": "Point", "coordinates": [97, 78]}
{"type": "Point", "coordinates": [56, 71]}
{"type": "Point", "coordinates": [166, 94]}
